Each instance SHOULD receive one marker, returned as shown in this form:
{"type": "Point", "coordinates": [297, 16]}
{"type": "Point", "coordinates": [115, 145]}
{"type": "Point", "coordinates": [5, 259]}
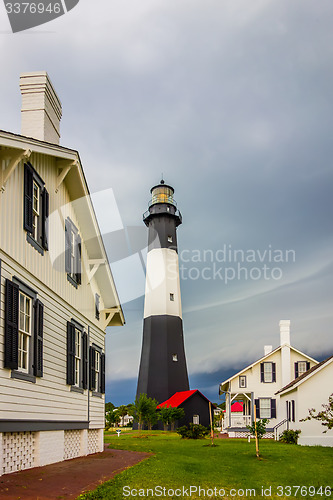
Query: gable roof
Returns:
{"type": "Point", "coordinates": [264, 358]}
{"type": "Point", "coordinates": [78, 190]}
{"type": "Point", "coordinates": [299, 380]}
{"type": "Point", "coordinates": [179, 397]}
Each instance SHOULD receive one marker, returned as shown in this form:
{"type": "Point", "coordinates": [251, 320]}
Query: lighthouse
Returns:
{"type": "Point", "coordinates": [163, 368]}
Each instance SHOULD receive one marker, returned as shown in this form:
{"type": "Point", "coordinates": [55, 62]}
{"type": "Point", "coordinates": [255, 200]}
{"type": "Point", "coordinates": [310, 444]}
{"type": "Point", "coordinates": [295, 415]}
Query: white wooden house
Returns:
{"type": "Point", "coordinates": [257, 384]}
{"type": "Point", "coordinates": [57, 293]}
{"type": "Point", "coordinates": [310, 390]}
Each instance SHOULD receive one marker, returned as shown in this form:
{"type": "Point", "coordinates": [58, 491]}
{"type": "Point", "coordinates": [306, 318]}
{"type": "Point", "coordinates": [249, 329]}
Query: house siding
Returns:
{"type": "Point", "coordinates": [312, 393]}
{"type": "Point", "coordinates": [57, 422]}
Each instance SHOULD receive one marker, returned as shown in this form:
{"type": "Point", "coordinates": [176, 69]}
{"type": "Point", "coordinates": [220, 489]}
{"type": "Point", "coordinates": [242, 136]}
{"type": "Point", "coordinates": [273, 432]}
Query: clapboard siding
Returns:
{"type": "Point", "coordinates": [50, 268]}
{"type": "Point", "coordinates": [50, 398]}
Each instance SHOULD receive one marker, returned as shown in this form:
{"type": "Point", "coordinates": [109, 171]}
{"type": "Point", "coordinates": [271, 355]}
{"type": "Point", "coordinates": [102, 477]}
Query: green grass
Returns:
{"type": "Point", "coordinates": [230, 464]}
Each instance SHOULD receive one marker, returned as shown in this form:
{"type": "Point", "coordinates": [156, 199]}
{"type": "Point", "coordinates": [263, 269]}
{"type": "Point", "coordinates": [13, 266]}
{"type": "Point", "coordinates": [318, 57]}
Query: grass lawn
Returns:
{"type": "Point", "coordinates": [230, 465]}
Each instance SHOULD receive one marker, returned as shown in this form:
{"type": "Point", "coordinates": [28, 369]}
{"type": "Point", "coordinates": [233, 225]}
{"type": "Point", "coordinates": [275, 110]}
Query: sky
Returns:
{"type": "Point", "coordinates": [232, 101]}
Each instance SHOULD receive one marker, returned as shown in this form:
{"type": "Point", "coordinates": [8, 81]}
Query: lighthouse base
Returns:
{"type": "Point", "coordinates": [163, 369]}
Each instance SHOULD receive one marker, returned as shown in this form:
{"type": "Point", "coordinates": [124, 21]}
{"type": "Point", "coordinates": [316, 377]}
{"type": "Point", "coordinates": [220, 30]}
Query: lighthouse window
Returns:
{"type": "Point", "coordinates": [170, 239]}
{"type": "Point", "coordinates": [174, 357]}
{"type": "Point", "coordinates": [172, 297]}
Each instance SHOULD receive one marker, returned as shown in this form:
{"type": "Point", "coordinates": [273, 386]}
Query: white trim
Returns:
{"type": "Point", "coordinates": [297, 384]}
{"type": "Point", "coordinates": [265, 358]}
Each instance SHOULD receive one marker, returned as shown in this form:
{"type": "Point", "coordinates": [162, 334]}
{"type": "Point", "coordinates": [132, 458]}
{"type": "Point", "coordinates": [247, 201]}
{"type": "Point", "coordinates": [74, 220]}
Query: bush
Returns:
{"type": "Point", "coordinates": [290, 436]}
{"type": "Point", "coordinates": [193, 431]}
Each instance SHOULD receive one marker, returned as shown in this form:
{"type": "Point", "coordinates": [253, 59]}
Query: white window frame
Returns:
{"type": "Point", "coordinates": [35, 210]}
{"type": "Point", "coordinates": [242, 377]}
{"type": "Point", "coordinates": [268, 374]}
{"type": "Point", "coordinates": [78, 357]}
{"type": "Point", "coordinates": [175, 357]}
{"type": "Point", "coordinates": [196, 419]}
{"type": "Point", "coordinates": [299, 364]}
{"type": "Point", "coordinates": [24, 332]}
{"type": "Point", "coordinates": [170, 239]}
{"type": "Point", "coordinates": [265, 407]}
{"type": "Point", "coordinates": [97, 369]}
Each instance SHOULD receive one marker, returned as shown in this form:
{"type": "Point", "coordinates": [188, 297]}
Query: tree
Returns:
{"type": "Point", "coordinates": [176, 414]}
{"type": "Point", "coordinates": [164, 415]}
{"type": "Point", "coordinates": [169, 415]}
{"type": "Point", "coordinates": [151, 413]}
{"type": "Point", "coordinates": [112, 418]}
{"type": "Point", "coordinates": [258, 429]}
{"type": "Point", "coordinates": [143, 410]}
{"type": "Point", "coordinates": [325, 415]}
{"type": "Point", "coordinates": [122, 411]}
{"type": "Point", "coordinates": [109, 417]}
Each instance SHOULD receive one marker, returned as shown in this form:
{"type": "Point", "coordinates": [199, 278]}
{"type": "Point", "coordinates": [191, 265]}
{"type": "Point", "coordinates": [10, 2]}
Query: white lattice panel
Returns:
{"type": "Point", "coordinates": [72, 444]}
{"type": "Point", "coordinates": [93, 441]}
{"type": "Point", "coordinates": [241, 434]}
{"type": "Point", "coordinates": [18, 451]}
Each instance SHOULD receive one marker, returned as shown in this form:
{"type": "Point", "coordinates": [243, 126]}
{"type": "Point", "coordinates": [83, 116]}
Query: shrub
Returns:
{"type": "Point", "coordinates": [193, 431]}
{"type": "Point", "coordinates": [290, 436]}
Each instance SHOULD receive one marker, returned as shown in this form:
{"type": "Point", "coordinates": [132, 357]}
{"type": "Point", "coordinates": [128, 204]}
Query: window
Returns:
{"type": "Point", "coordinates": [97, 306]}
{"type": "Point", "coordinates": [290, 410]}
{"type": "Point", "coordinates": [23, 331]}
{"type": "Point", "coordinates": [77, 356]}
{"type": "Point", "coordinates": [175, 357]}
{"type": "Point", "coordinates": [25, 313]}
{"type": "Point", "coordinates": [170, 239]}
{"type": "Point", "coordinates": [97, 369]}
{"type": "Point", "coordinates": [265, 408]}
{"type": "Point", "coordinates": [172, 297]}
{"type": "Point", "coordinates": [72, 253]}
{"type": "Point", "coordinates": [268, 372]}
{"type": "Point", "coordinates": [301, 367]}
{"type": "Point", "coordinates": [242, 381]}
{"type": "Point", "coordinates": [36, 209]}
{"type": "Point", "coordinates": [196, 419]}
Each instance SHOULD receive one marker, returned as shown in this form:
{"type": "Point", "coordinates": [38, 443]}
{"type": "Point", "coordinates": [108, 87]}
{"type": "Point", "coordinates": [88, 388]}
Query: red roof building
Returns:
{"type": "Point", "coordinates": [195, 405]}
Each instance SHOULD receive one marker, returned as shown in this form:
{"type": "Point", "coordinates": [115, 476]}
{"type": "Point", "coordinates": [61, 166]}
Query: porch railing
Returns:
{"type": "Point", "coordinates": [240, 420]}
{"type": "Point", "coordinates": [280, 427]}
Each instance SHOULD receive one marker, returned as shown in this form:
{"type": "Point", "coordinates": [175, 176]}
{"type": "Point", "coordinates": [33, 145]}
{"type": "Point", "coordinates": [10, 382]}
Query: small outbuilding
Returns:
{"type": "Point", "coordinates": [195, 405]}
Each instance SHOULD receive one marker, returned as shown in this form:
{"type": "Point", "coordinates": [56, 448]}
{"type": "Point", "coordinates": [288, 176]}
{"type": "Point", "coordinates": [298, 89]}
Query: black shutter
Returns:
{"type": "Point", "coordinates": [273, 372]}
{"type": "Point", "coordinates": [102, 388]}
{"type": "Point", "coordinates": [293, 410]}
{"type": "Point", "coordinates": [307, 365]}
{"type": "Point", "coordinates": [92, 371]}
{"type": "Point", "coordinates": [273, 408]}
{"type": "Point", "coordinates": [70, 353]}
{"type": "Point", "coordinates": [45, 220]}
{"type": "Point", "coordinates": [262, 376]}
{"type": "Point", "coordinates": [11, 325]}
{"type": "Point", "coordinates": [85, 362]}
{"type": "Point", "coordinates": [38, 339]}
{"type": "Point", "coordinates": [256, 402]}
{"type": "Point", "coordinates": [78, 259]}
{"type": "Point", "coordinates": [28, 190]}
{"type": "Point", "coordinates": [68, 234]}
{"type": "Point", "coordinates": [296, 369]}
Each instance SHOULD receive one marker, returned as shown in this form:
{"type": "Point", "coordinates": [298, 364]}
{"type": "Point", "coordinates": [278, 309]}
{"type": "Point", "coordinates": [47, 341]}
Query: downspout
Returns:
{"type": "Point", "coordinates": [88, 376]}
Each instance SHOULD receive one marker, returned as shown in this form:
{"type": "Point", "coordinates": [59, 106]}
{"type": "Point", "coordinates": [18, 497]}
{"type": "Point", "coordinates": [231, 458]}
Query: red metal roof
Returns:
{"type": "Point", "coordinates": [237, 406]}
{"type": "Point", "coordinates": [178, 398]}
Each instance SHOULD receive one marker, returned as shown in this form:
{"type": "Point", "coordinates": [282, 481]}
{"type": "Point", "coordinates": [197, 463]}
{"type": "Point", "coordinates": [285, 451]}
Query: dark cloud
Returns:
{"type": "Point", "coordinates": [232, 101]}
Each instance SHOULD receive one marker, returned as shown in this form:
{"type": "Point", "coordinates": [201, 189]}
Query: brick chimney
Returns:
{"type": "Point", "coordinates": [41, 108]}
{"type": "Point", "coordinates": [285, 351]}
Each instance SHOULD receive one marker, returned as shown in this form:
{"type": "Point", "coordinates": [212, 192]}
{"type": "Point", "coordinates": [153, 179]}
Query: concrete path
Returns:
{"type": "Point", "coordinates": [67, 480]}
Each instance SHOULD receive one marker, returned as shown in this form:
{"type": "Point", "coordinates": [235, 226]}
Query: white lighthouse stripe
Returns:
{"type": "Point", "coordinates": [162, 279]}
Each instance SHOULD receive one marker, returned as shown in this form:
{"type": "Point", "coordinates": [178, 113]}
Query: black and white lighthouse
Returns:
{"type": "Point", "coordinates": [163, 368]}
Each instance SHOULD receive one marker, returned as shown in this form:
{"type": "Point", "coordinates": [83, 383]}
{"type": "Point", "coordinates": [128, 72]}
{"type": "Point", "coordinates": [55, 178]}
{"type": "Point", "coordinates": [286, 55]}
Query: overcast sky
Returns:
{"type": "Point", "coordinates": [232, 101]}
